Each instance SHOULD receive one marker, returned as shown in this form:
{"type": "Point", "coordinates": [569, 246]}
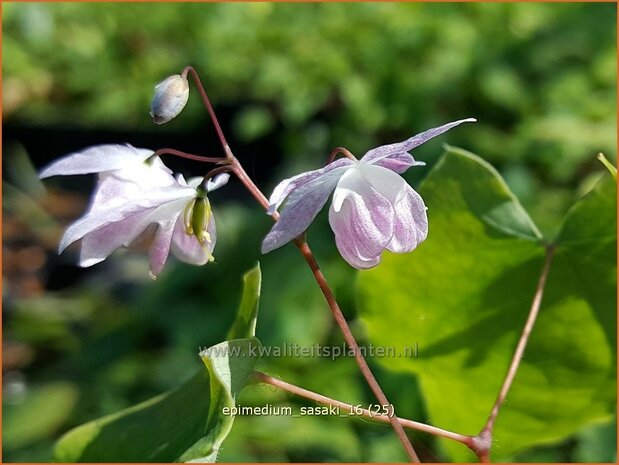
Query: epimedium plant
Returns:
{"type": "Point", "coordinates": [373, 210]}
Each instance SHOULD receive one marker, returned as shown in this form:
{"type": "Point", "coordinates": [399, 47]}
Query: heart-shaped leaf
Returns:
{"type": "Point", "coordinates": [462, 297]}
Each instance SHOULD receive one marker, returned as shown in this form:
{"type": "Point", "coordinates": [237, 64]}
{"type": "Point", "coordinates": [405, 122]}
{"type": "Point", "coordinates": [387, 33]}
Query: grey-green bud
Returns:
{"type": "Point", "coordinates": [170, 98]}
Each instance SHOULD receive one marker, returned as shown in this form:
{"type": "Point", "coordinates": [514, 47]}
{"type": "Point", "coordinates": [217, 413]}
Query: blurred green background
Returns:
{"type": "Point", "coordinates": [290, 82]}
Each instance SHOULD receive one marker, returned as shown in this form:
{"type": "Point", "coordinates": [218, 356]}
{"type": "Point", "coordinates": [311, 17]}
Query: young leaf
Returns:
{"type": "Point", "coordinates": [244, 325]}
{"type": "Point", "coordinates": [186, 424]}
{"type": "Point", "coordinates": [464, 295]}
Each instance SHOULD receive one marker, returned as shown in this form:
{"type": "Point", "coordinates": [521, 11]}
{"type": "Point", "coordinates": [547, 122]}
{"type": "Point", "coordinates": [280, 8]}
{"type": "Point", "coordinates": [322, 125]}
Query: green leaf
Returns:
{"type": "Point", "coordinates": [244, 325]}
{"type": "Point", "coordinates": [463, 297]}
{"type": "Point", "coordinates": [186, 424]}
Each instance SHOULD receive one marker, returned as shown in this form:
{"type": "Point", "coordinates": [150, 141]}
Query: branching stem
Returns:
{"type": "Point", "coordinates": [238, 170]}
{"type": "Point", "coordinates": [319, 398]}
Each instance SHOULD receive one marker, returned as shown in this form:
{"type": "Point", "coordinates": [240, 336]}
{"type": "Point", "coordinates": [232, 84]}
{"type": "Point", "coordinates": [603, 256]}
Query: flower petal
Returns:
{"type": "Point", "coordinates": [389, 184]}
{"type": "Point", "coordinates": [411, 222]}
{"type": "Point", "coordinates": [160, 248]}
{"type": "Point", "coordinates": [116, 200]}
{"type": "Point", "coordinates": [284, 188]}
{"type": "Point", "coordinates": [188, 249]}
{"type": "Point", "coordinates": [301, 208]}
{"type": "Point", "coordinates": [346, 243]}
{"type": "Point", "coordinates": [99, 244]}
{"type": "Point", "coordinates": [361, 218]}
{"type": "Point", "coordinates": [394, 156]}
{"type": "Point", "coordinates": [97, 159]}
{"type": "Point", "coordinates": [218, 181]}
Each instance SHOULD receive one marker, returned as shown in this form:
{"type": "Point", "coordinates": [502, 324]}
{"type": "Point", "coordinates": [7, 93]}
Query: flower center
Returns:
{"type": "Point", "coordinates": [197, 216]}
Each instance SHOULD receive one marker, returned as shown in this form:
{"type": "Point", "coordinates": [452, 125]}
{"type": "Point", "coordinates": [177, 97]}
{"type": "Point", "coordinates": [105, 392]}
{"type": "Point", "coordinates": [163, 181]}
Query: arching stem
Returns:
{"type": "Point", "coordinates": [344, 151]}
{"type": "Point", "coordinates": [190, 156]}
{"type": "Point", "coordinates": [209, 107]}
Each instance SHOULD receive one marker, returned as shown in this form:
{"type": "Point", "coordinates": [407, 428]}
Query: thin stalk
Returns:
{"type": "Point", "coordinates": [208, 106]}
{"type": "Point", "coordinates": [319, 398]}
{"type": "Point", "coordinates": [344, 151]}
{"type": "Point", "coordinates": [190, 156]}
{"type": "Point", "coordinates": [484, 438]}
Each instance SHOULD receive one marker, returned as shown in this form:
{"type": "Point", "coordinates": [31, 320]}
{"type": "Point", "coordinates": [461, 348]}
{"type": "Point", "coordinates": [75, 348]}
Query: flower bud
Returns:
{"type": "Point", "coordinates": [170, 98]}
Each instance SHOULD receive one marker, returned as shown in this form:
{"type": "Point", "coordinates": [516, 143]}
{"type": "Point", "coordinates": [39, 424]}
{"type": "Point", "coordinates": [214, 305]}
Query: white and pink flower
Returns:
{"type": "Point", "coordinates": [137, 194]}
{"type": "Point", "coordinates": [373, 207]}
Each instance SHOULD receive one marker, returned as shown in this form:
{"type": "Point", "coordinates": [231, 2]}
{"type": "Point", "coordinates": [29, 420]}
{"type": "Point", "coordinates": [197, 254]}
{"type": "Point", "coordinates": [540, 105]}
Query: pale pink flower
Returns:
{"type": "Point", "coordinates": [137, 194]}
{"type": "Point", "coordinates": [373, 207]}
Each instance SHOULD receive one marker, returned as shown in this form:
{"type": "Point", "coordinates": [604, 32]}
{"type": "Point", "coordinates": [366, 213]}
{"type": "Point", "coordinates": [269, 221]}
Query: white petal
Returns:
{"type": "Point", "coordinates": [394, 156]}
{"type": "Point", "coordinates": [99, 244]}
{"type": "Point", "coordinates": [284, 188]}
{"type": "Point", "coordinates": [111, 205]}
{"type": "Point", "coordinates": [361, 218]}
{"type": "Point", "coordinates": [218, 181]}
{"type": "Point", "coordinates": [97, 159]}
{"type": "Point", "coordinates": [145, 176]}
{"type": "Point", "coordinates": [411, 222]}
{"type": "Point", "coordinates": [390, 185]}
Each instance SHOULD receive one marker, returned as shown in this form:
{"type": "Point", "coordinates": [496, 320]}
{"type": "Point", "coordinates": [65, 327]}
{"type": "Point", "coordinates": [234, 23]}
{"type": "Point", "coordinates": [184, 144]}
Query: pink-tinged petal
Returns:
{"type": "Point", "coordinates": [188, 249]}
{"type": "Point", "coordinates": [361, 218]}
{"type": "Point", "coordinates": [99, 244]}
{"type": "Point", "coordinates": [160, 248]}
{"type": "Point", "coordinates": [284, 188]}
{"type": "Point", "coordinates": [398, 162]}
{"type": "Point", "coordinates": [118, 209]}
{"type": "Point", "coordinates": [301, 208]}
{"type": "Point", "coordinates": [394, 156]}
{"type": "Point", "coordinates": [411, 222]}
{"type": "Point", "coordinates": [117, 199]}
{"type": "Point", "coordinates": [97, 159]}
{"type": "Point", "coordinates": [346, 244]}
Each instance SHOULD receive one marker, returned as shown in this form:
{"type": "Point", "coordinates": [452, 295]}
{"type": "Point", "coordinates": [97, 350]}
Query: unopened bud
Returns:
{"type": "Point", "coordinates": [170, 98]}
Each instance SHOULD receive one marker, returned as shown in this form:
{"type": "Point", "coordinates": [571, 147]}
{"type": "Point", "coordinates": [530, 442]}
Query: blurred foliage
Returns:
{"type": "Point", "coordinates": [540, 78]}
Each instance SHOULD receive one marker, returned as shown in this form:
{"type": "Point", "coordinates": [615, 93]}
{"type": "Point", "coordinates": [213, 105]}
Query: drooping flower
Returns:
{"type": "Point", "coordinates": [373, 207]}
{"type": "Point", "coordinates": [170, 98]}
{"type": "Point", "coordinates": [137, 196]}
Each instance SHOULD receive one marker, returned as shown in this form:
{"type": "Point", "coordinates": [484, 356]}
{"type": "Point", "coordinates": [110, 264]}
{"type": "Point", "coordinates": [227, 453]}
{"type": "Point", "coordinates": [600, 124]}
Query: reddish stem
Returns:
{"type": "Point", "coordinates": [319, 398]}
{"type": "Point", "coordinates": [208, 106]}
{"type": "Point", "coordinates": [190, 156]}
{"type": "Point", "coordinates": [484, 439]}
{"type": "Point", "coordinates": [344, 151]}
